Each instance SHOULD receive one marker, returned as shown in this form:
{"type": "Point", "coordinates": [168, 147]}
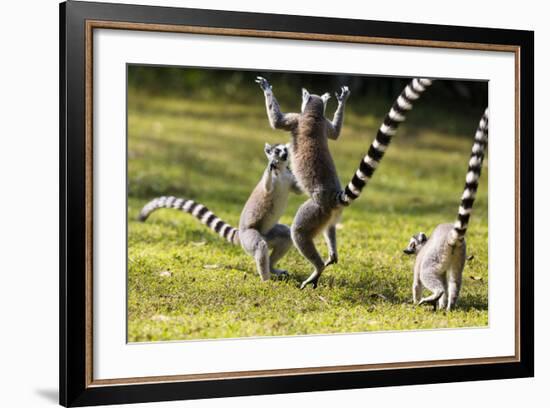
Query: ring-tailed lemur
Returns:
{"type": "Point", "coordinates": [259, 229]}
{"type": "Point", "coordinates": [440, 258]}
{"type": "Point", "coordinates": [314, 168]}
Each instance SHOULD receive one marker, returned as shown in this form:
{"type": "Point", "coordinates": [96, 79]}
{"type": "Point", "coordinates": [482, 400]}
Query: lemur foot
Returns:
{"type": "Point", "coordinates": [263, 83]}
{"type": "Point", "coordinates": [344, 93]}
{"type": "Point", "coordinates": [265, 277]}
{"type": "Point", "coordinates": [429, 302]}
{"type": "Point", "coordinates": [332, 259]}
{"type": "Point", "coordinates": [279, 273]}
{"type": "Point", "coordinates": [312, 280]}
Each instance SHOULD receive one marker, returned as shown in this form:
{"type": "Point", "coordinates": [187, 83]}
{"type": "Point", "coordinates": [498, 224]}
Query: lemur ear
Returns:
{"type": "Point", "coordinates": [422, 237]}
{"type": "Point", "coordinates": [267, 149]}
{"type": "Point", "coordinates": [305, 98]}
{"type": "Point", "coordinates": [288, 146]}
{"type": "Point", "coordinates": [325, 97]}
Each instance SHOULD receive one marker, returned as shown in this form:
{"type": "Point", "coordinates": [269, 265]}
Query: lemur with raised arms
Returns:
{"type": "Point", "coordinates": [315, 170]}
{"type": "Point", "coordinates": [259, 229]}
{"type": "Point", "coordinates": [440, 258]}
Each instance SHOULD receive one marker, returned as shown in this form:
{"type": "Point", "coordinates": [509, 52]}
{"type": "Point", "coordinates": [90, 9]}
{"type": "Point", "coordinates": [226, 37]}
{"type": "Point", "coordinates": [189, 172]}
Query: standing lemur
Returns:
{"type": "Point", "coordinates": [440, 258]}
{"type": "Point", "coordinates": [258, 226]}
{"type": "Point", "coordinates": [314, 168]}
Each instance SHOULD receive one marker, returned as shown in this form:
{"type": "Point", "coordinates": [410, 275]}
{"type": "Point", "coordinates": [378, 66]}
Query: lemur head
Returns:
{"type": "Point", "coordinates": [416, 243]}
{"type": "Point", "coordinates": [277, 155]}
{"type": "Point", "coordinates": [314, 103]}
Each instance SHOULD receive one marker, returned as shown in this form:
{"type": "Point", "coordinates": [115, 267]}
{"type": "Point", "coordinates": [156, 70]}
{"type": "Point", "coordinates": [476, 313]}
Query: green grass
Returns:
{"type": "Point", "coordinates": [212, 152]}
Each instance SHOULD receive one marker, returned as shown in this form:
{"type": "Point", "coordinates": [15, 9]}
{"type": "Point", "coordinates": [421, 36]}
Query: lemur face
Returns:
{"type": "Point", "coordinates": [277, 155]}
{"type": "Point", "coordinates": [416, 242]}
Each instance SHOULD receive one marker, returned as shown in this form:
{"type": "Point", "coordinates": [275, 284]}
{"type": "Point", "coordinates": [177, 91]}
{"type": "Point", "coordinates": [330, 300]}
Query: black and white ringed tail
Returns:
{"type": "Point", "coordinates": [387, 130]}
{"type": "Point", "coordinates": [197, 210]}
{"type": "Point", "coordinates": [472, 180]}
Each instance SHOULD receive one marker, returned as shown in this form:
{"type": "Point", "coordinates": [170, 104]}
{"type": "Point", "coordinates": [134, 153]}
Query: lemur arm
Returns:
{"type": "Point", "coordinates": [335, 126]}
{"type": "Point", "coordinates": [295, 187]}
{"type": "Point", "coordinates": [267, 180]}
{"type": "Point", "coordinates": [277, 119]}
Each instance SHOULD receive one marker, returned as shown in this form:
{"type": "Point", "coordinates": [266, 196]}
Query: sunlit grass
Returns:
{"type": "Point", "coordinates": [187, 283]}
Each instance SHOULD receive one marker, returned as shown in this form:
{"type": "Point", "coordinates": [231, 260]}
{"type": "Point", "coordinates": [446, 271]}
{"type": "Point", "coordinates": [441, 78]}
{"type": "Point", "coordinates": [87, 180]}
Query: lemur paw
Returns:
{"type": "Point", "coordinates": [273, 164]}
{"type": "Point", "coordinates": [333, 259]}
{"type": "Point", "coordinates": [344, 94]}
{"type": "Point", "coordinates": [433, 303]}
{"type": "Point", "coordinates": [312, 280]}
{"type": "Point", "coordinates": [312, 283]}
{"type": "Point", "coordinates": [263, 83]}
{"type": "Point", "coordinates": [279, 273]}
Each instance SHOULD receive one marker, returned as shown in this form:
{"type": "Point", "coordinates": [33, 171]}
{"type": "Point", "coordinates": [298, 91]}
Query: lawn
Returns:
{"type": "Point", "coordinates": [184, 282]}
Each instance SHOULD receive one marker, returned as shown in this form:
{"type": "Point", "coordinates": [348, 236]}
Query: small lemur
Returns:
{"type": "Point", "coordinates": [259, 229]}
{"type": "Point", "coordinates": [440, 258]}
{"type": "Point", "coordinates": [315, 170]}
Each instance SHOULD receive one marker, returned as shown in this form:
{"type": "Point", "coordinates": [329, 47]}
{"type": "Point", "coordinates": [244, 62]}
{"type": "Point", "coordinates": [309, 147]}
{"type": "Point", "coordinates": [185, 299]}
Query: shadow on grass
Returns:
{"type": "Point", "coordinates": [469, 301]}
{"type": "Point", "coordinates": [372, 290]}
{"type": "Point", "coordinates": [368, 289]}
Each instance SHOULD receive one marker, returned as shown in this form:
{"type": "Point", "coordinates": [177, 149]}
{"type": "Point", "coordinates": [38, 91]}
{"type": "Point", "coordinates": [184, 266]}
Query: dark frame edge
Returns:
{"type": "Point", "coordinates": [73, 390]}
{"type": "Point", "coordinates": [171, 15]}
{"type": "Point", "coordinates": [140, 393]}
{"type": "Point", "coordinates": [62, 207]}
{"type": "Point", "coordinates": [527, 194]}
{"type": "Point", "coordinates": [72, 302]}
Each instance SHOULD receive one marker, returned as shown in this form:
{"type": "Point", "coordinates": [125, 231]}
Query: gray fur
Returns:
{"type": "Point", "coordinates": [314, 167]}
{"type": "Point", "coordinates": [438, 268]}
{"type": "Point", "coordinates": [440, 258]}
{"type": "Point", "coordinates": [314, 170]}
{"type": "Point", "coordinates": [259, 229]}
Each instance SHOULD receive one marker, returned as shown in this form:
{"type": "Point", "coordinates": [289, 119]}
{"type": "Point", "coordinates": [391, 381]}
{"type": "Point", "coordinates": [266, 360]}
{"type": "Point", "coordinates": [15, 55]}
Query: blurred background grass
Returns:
{"type": "Point", "coordinates": [199, 134]}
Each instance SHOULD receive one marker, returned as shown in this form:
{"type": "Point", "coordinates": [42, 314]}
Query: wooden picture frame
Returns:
{"type": "Point", "coordinates": [78, 20]}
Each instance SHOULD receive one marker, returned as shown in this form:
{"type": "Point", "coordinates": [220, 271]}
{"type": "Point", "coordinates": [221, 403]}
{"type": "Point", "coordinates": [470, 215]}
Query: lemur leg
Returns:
{"type": "Point", "coordinates": [453, 288]}
{"type": "Point", "coordinates": [442, 302]}
{"type": "Point", "coordinates": [432, 280]}
{"type": "Point", "coordinates": [417, 284]}
{"type": "Point", "coordinates": [417, 287]}
{"type": "Point", "coordinates": [279, 239]}
{"type": "Point", "coordinates": [330, 239]}
{"type": "Point", "coordinates": [330, 236]}
{"type": "Point", "coordinates": [308, 222]}
{"type": "Point", "coordinates": [255, 245]}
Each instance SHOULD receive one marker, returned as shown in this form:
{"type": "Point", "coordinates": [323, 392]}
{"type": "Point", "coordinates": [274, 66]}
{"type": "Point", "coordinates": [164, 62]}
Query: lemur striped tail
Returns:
{"type": "Point", "coordinates": [394, 117]}
{"type": "Point", "coordinates": [197, 210]}
{"type": "Point", "coordinates": [472, 180]}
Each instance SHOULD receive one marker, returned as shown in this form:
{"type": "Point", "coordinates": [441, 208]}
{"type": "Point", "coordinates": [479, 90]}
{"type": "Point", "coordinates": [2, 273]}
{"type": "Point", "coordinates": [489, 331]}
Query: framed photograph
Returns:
{"type": "Point", "coordinates": [256, 204]}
